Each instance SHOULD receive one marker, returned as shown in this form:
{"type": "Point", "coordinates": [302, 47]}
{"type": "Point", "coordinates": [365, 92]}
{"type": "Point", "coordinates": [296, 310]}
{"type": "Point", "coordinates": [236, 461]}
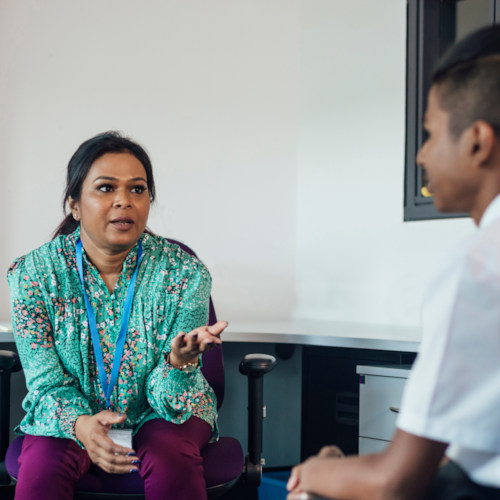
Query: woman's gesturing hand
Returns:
{"type": "Point", "coordinates": [187, 347]}
{"type": "Point", "coordinates": [92, 431]}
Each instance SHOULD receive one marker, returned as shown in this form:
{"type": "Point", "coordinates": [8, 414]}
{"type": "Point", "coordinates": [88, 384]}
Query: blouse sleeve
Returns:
{"type": "Point", "coordinates": [54, 400]}
{"type": "Point", "coordinates": [177, 395]}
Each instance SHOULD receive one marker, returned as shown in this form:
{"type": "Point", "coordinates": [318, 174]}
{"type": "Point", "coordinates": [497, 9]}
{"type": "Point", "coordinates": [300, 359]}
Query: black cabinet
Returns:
{"type": "Point", "coordinates": [330, 395]}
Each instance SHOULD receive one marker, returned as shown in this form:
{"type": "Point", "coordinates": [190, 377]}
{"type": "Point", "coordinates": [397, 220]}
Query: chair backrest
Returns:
{"type": "Point", "coordinates": [213, 361]}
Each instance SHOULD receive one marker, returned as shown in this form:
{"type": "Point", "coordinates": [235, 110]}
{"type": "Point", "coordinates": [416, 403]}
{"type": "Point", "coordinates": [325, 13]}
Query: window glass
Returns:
{"type": "Point", "coordinates": [471, 15]}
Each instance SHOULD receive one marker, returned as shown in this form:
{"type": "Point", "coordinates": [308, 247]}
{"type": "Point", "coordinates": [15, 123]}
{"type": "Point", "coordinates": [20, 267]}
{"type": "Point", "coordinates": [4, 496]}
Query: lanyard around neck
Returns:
{"type": "Point", "coordinates": [108, 389]}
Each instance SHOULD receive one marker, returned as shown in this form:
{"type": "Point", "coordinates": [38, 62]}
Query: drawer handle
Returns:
{"type": "Point", "coordinates": [395, 410]}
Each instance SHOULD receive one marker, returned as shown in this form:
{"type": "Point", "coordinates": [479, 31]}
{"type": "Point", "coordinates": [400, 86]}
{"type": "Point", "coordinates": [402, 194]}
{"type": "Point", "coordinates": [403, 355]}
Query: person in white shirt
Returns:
{"type": "Point", "coordinates": [451, 404]}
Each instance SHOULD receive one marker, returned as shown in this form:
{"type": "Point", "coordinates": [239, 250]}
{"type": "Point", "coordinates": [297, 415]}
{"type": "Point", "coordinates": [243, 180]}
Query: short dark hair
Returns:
{"type": "Point", "coordinates": [468, 78]}
{"type": "Point", "coordinates": [87, 153]}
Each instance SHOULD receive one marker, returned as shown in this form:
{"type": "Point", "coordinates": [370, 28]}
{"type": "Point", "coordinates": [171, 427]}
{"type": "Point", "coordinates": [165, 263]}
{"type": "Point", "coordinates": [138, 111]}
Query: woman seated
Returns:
{"type": "Point", "coordinates": [110, 322]}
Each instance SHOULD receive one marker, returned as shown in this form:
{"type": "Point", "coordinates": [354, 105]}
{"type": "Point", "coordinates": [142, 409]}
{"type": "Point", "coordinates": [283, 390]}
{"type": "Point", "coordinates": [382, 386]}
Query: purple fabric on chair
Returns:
{"type": "Point", "coordinates": [213, 369]}
{"type": "Point", "coordinates": [222, 461]}
{"type": "Point", "coordinates": [13, 452]}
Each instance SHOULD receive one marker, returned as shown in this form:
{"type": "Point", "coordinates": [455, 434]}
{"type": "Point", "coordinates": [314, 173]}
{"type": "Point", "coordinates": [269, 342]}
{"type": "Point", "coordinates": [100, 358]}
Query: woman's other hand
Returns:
{"type": "Point", "coordinates": [187, 347]}
{"type": "Point", "coordinates": [92, 431]}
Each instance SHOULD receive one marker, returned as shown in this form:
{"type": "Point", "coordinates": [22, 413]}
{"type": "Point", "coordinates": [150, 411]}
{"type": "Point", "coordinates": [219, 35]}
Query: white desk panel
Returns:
{"type": "Point", "coordinates": [6, 334]}
{"type": "Point", "coordinates": [326, 333]}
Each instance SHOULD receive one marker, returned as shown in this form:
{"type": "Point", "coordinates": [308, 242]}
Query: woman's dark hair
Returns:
{"type": "Point", "coordinates": [85, 156]}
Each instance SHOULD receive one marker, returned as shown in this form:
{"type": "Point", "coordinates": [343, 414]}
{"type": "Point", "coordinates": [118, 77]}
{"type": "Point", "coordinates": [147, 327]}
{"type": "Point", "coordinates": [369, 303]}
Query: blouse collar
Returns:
{"type": "Point", "coordinates": [128, 264]}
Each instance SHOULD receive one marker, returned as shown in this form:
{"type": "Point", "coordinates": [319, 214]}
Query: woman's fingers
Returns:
{"type": "Point", "coordinates": [193, 340]}
{"type": "Point", "coordinates": [100, 439]}
{"type": "Point", "coordinates": [108, 418]}
{"type": "Point", "coordinates": [209, 344]}
{"type": "Point", "coordinates": [204, 342]}
{"type": "Point", "coordinates": [199, 334]}
{"type": "Point", "coordinates": [112, 457]}
{"type": "Point", "coordinates": [179, 341]}
{"type": "Point", "coordinates": [116, 464]}
{"type": "Point", "coordinates": [117, 449]}
{"type": "Point", "coordinates": [116, 469]}
{"type": "Point", "coordinates": [218, 328]}
{"type": "Point", "coordinates": [200, 340]}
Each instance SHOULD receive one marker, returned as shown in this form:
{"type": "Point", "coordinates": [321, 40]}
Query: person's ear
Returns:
{"type": "Point", "coordinates": [74, 206]}
{"type": "Point", "coordinates": [481, 144]}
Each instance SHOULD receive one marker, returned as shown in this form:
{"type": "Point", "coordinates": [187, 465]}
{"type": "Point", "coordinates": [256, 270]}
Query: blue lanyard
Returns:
{"type": "Point", "coordinates": [108, 390]}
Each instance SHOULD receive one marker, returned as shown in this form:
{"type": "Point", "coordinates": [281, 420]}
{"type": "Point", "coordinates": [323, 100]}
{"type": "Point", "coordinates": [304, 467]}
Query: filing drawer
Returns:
{"type": "Point", "coordinates": [368, 445]}
{"type": "Point", "coordinates": [378, 393]}
{"type": "Point", "coordinates": [330, 395]}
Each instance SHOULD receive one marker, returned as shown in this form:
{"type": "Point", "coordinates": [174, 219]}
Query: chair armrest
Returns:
{"type": "Point", "coordinates": [10, 361]}
{"type": "Point", "coordinates": [255, 366]}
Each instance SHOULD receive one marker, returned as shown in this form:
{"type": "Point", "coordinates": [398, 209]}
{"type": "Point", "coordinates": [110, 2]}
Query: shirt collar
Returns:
{"type": "Point", "coordinates": [491, 214]}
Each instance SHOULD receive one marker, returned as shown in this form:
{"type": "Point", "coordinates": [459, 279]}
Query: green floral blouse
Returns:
{"type": "Point", "coordinates": [53, 339]}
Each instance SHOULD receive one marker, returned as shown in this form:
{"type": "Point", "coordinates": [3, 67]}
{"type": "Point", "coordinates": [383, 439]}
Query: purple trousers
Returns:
{"type": "Point", "coordinates": [170, 454]}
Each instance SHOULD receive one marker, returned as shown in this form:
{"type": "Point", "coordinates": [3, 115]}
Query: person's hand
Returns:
{"type": "Point", "coordinates": [187, 347]}
{"type": "Point", "coordinates": [299, 495]}
{"type": "Point", "coordinates": [331, 452]}
{"type": "Point", "coordinates": [294, 483]}
{"type": "Point", "coordinates": [92, 431]}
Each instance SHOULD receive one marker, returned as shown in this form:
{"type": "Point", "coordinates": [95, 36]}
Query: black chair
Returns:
{"type": "Point", "coordinates": [223, 461]}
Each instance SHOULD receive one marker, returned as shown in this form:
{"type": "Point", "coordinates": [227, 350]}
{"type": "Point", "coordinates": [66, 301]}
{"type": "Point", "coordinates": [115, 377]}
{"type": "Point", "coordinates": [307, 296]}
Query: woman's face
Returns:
{"type": "Point", "coordinates": [114, 204]}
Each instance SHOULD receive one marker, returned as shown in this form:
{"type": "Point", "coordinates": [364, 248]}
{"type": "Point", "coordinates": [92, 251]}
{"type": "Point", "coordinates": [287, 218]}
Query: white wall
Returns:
{"type": "Point", "coordinates": [356, 258]}
{"type": "Point", "coordinates": [277, 132]}
{"type": "Point", "coordinates": [210, 88]}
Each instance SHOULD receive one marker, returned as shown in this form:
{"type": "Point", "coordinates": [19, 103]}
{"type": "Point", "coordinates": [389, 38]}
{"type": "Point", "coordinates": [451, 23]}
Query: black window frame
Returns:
{"type": "Point", "coordinates": [422, 17]}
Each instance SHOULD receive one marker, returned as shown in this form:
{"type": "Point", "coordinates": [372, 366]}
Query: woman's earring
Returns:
{"type": "Point", "coordinates": [75, 217]}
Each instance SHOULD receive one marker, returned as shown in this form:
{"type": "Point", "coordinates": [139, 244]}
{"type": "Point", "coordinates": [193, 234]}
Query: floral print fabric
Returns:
{"type": "Point", "coordinates": [53, 339]}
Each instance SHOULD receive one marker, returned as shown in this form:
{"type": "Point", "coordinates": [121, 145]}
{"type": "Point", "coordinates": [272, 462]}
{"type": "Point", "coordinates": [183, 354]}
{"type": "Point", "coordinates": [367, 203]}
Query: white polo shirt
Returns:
{"type": "Point", "coordinates": [453, 394]}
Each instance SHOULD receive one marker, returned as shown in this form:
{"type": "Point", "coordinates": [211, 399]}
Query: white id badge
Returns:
{"type": "Point", "coordinates": [123, 437]}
